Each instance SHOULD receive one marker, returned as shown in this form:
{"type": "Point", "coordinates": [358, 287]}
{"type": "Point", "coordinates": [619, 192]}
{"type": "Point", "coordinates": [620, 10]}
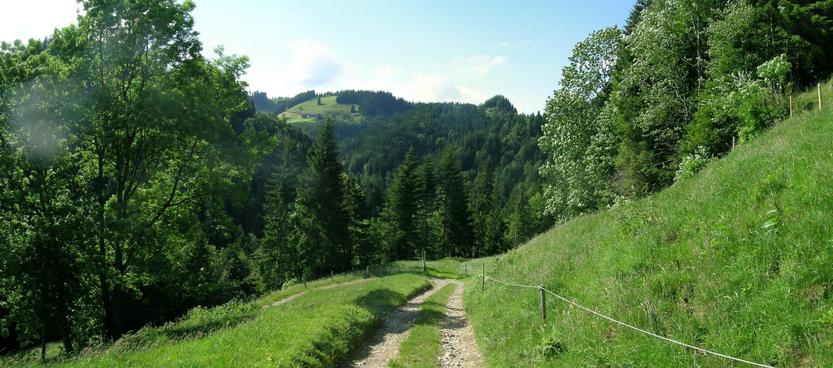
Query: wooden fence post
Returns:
{"type": "Point", "coordinates": [367, 271]}
{"type": "Point", "coordinates": [423, 261]}
{"type": "Point", "coordinates": [819, 87]}
{"type": "Point", "coordinates": [543, 304]}
{"type": "Point", "coordinates": [791, 105]}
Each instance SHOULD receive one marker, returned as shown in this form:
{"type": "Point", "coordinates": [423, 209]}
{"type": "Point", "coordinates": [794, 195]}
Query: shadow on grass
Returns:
{"type": "Point", "coordinates": [429, 271]}
{"type": "Point", "coordinates": [431, 314]}
{"type": "Point", "coordinates": [379, 303]}
{"type": "Point", "coordinates": [201, 325]}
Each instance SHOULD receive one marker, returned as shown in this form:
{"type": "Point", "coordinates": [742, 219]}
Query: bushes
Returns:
{"type": "Point", "coordinates": [740, 107]}
{"type": "Point", "coordinates": [692, 163]}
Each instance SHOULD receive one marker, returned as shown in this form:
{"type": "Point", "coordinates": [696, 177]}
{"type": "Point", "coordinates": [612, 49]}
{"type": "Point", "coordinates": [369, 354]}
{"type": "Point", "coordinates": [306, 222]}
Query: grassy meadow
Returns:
{"type": "Point", "coordinates": [736, 259]}
{"type": "Point", "coordinates": [329, 107]}
{"type": "Point", "coordinates": [314, 330]}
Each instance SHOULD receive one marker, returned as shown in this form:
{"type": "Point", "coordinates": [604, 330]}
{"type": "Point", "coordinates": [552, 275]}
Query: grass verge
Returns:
{"type": "Point", "coordinates": [422, 347]}
{"type": "Point", "coordinates": [315, 330]}
{"type": "Point", "coordinates": [447, 268]}
{"type": "Point", "coordinates": [736, 259]}
{"type": "Point", "coordinates": [300, 287]}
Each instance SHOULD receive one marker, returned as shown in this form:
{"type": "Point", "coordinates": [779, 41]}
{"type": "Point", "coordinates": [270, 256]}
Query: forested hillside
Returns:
{"type": "Point", "coordinates": [140, 178]}
{"type": "Point", "coordinates": [136, 185]}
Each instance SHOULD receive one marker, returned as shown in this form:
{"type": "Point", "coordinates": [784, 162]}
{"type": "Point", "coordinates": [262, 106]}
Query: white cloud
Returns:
{"type": "Point", "coordinates": [478, 66]}
{"type": "Point", "coordinates": [35, 18]}
{"type": "Point", "coordinates": [472, 95]}
{"type": "Point", "coordinates": [312, 65]}
{"type": "Point", "coordinates": [425, 87]}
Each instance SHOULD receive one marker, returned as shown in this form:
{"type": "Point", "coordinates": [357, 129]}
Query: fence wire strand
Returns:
{"type": "Point", "coordinates": [623, 324]}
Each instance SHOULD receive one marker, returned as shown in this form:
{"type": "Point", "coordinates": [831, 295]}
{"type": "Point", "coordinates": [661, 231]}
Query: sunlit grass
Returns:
{"type": "Point", "coordinates": [314, 330]}
{"type": "Point", "coordinates": [448, 268]}
{"type": "Point", "coordinates": [328, 107]}
{"type": "Point", "coordinates": [422, 347]}
{"type": "Point", "coordinates": [736, 259]}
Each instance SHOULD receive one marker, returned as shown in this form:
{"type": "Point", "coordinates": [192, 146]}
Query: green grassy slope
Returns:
{"type": "Point", "coordinates": [314, 330]}
{"type": "Point", "coordinates": [738, 259]}
{"type": "Point", "coordinates": [328, 108]}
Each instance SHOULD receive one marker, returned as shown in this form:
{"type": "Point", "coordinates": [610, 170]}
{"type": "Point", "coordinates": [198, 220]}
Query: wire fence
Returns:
{"type": "Point", "coordinates": [613, 320]}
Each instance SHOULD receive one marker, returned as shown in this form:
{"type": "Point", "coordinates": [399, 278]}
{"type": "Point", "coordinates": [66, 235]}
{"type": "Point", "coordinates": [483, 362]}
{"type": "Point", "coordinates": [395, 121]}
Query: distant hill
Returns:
{"type": "Point", "coordinates": [319, 108]}
{"type": "Point", "coordinates": [342, 106]}
{"type": "Point", "coordinates": [264, 103]}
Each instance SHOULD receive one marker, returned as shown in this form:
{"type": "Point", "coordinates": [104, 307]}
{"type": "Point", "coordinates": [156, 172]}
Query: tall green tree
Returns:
{"type": "Point", "coordinates": [276, 256]}
{"type": "Point", "coordinates": [663, 66]}
{"type": "Point", "coordinates": [579, 136]}
{"type": "Point", "coordinates": [457, 235]}
{"type": "Point", "coordinates": [487, 222]}
{"type": "Point", "coordinates": [426, 190]}
{"type": "Point", "coordinates": [322, 205]}
{"type": "Point", "coordinates": [154, 105]}
{"type": "Point", "coordinates": [401, 211]}
{"type": "Point", "coordinates": [42, 198]}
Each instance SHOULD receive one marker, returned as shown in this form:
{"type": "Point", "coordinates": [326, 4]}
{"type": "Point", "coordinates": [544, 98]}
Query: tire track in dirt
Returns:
{"type": "Point", "coordinates": [459, 348]}
{"type": "Point", "coordinates": [380, 349]}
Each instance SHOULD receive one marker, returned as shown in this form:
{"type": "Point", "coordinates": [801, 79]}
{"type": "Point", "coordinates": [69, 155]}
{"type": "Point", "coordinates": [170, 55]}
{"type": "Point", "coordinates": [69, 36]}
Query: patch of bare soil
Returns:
{"type": "Point", "coordinates": [384, 345]}
{"type": "Point", "coordinates": [459, 347]}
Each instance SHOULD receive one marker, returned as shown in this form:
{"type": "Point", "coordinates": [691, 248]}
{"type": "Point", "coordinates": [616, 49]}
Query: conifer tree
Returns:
{"type": "Point", "coordinates": [427, 207]}
{"type": "Point", "coordinates": [457, 237]}
{"type": "Point", "coordinates": [322, 204]}
{"type": "Point", "coordinates": [486, 220]}
{"type": "Point", "coordinates": [401, 210]}
{"type": "Point", "coordinates": [276, 258]}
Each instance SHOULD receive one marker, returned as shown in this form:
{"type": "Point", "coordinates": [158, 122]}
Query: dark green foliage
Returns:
{"type": "Point", "coordinates": [487, 220]}
{"type": "Point", "coordinates": [401, 212]}
{"type": "Point", "coordinates": [322, 211]}
{"type": "Point", "coordinates": [373, 103]}
{"type": "Point", "coordinates": [456, 233]}
{"type": "Point", "coordinates": [688, 79]}
{"type": "Point", "coordinates": [263, 103]}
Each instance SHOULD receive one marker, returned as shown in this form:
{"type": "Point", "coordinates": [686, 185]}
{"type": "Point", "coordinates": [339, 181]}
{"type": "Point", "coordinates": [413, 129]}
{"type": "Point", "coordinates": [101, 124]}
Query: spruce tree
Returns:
{"type": "Point", "coordinates": [488, 225]}
{"type": "Point", "coordinates": [457, 234]}
{"type": "Point", "coordinates": [276, 258]}
{"type": "Point", "coordinates": [323, 199]}
{"type": "Point", "coordinates": [427, 207]}
{"type": "Point", "coordinates": [401, 210]}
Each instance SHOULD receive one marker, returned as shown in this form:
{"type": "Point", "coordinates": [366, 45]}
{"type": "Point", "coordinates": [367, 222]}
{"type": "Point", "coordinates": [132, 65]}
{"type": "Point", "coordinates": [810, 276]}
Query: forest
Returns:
{"type": "Point", "coordinates": [140, 178]}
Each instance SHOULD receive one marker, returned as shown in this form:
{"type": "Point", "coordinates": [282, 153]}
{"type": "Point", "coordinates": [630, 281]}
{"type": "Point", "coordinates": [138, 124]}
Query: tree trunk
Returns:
{"type": "Point", "coordinates": [66, 335]}
{"type": "Point", "coordinates": [110, 325]}
{"type": "Point", "coordinates": [43, 341]}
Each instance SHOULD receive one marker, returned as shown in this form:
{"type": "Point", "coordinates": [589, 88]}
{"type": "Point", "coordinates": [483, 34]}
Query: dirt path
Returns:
{"type": "Point", "coordinates": [384, 345]}
{"type": "Point", "coordinates": [459, 348]}
{"type": "Point", "coordinates": [298, 295]}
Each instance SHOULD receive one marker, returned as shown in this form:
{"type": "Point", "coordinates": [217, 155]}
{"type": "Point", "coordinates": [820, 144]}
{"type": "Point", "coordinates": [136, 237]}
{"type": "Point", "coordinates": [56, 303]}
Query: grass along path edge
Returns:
{"type": "Point", "coordinates": [316, 330]}
{"type": "Point", "coordinates": [383, 346]}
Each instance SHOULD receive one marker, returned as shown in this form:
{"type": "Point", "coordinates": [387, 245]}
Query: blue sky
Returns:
{"type": "Point", "coordinates": [422, 50]}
